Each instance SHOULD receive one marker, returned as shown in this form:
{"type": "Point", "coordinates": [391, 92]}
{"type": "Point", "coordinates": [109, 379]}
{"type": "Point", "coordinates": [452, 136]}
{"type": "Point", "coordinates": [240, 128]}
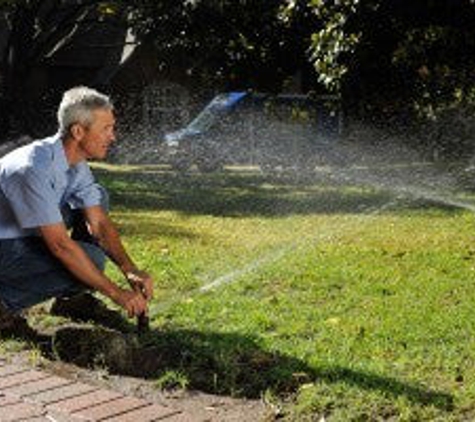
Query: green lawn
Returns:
{"type": "Point", "coordinates": [325, 298]}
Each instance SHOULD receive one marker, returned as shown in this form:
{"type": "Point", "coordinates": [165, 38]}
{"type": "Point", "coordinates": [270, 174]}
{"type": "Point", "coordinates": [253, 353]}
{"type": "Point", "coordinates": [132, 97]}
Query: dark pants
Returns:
{"type": "Point", "coordinates": [31, 274]}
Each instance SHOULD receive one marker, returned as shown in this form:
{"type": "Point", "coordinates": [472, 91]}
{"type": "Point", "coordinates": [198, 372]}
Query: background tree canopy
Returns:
{"type": "Point", "coordinates": [410, 61]}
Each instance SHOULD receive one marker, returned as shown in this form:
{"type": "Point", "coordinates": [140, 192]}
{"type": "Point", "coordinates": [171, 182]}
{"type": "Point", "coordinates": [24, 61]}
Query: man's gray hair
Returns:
{"type": "Point", "coordinates": [77, 106]}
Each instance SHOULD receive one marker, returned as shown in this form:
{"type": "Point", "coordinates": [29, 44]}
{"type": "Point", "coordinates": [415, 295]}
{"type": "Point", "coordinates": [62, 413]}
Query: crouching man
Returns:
{"type": "Point", "coordinates": [54, 228]}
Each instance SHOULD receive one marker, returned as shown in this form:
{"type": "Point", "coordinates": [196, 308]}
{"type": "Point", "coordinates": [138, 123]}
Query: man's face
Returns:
{"type": "Point", "coordinates": [98, 136]}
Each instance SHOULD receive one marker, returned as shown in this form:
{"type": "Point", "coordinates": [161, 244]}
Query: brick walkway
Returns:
{"type": "Point", "coordinates": [29, 395]}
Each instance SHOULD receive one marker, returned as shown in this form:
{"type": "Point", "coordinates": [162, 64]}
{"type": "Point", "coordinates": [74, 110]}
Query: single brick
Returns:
{"type": "Point", "coordinates": [20, 411]}
{"type": "Point", "coordinates": [5, 400]}
{"type": "Point", "coordinates": [62, 393]}
{"type": "Point", "coordinates": [20, 378]}
{"type": "Point", "coordinates": [84, 401]}
{"type": "Point", "coordinates": [36, 386]}
{"type": "Point", "coordinates": [111, 408]}
{"type": "Point", "coordinates": [150, 413]}
{"type": "Point", "coordinates": [11, 369]}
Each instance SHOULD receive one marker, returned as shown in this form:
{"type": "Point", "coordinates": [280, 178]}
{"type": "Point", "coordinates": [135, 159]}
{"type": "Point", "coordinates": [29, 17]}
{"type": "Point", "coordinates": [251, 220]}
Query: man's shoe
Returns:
{"type": "Point", "coordinates": [84, 307]}
{"type": "Point", "coordinates": [12, 325]}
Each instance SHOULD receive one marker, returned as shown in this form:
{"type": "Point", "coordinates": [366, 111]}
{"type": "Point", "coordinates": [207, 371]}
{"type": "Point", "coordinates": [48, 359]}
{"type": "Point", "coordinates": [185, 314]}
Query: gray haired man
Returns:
{"type": "Point", "coordinates": [47, 186]}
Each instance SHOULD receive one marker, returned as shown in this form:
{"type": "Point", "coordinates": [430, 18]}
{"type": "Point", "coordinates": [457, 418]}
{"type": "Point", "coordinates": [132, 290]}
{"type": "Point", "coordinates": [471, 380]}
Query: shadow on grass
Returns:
{"type": "Point", "coordinates": [236, 194]}
{"type": "Point", "coordinates": [219, 363]}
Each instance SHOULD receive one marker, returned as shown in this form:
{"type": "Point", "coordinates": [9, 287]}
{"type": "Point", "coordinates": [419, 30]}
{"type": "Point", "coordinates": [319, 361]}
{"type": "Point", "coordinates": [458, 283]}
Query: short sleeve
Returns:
{"type": "Point", "coordinates": [32, 198]}
{"type": "Point", "coordinates": [85, 191]}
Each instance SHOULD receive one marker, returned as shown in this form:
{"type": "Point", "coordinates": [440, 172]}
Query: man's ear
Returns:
{"type": "Point", "coordinates": [77, 131]}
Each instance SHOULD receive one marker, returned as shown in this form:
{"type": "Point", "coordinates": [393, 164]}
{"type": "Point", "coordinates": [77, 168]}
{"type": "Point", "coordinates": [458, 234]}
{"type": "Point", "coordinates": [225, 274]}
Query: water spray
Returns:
{"type": "Point", "coordinates": [401, 192]}
{"type": "Point", "coordinates": [408, 190]}
{"type": "Point", "coordinates": [270, 258]}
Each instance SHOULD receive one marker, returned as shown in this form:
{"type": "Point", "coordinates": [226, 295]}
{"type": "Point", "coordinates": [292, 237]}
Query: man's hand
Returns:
{"type": "Point", "coordinates": [132, 301]}
{"type": "Point", "coordinates": [142, 282]}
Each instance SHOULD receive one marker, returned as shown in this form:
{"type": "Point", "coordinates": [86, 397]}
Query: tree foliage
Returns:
{"type": "Point", "coordinates": [235, 43]}
{"type": "Point", "coordinates": [420, 52]}
{"type": "Point", "coordinates": [330, 39]}
{"type": "Point", "coordinates": [34, 32]}
{"type": "Point", "coordinates": [402, 57]}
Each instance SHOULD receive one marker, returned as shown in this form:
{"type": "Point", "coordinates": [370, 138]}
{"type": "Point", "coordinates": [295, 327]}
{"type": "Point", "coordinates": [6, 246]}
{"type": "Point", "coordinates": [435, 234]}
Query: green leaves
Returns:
{"type": "Point", "coordinates": [327, 48]}
{"type": "Point", "coordinates": [330, 37]}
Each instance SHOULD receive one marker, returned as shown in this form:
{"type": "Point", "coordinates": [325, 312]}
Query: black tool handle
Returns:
{"type": "Point", "coordinates": [143, 323]}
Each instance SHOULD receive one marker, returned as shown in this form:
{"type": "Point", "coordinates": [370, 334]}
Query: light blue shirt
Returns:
{"type": "Point", "coordinates": [36, 182]}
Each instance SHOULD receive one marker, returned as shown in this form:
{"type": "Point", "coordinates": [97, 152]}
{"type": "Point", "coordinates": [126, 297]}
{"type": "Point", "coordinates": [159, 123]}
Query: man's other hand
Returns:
{"type": "Point", "coordinates": [141, 281]}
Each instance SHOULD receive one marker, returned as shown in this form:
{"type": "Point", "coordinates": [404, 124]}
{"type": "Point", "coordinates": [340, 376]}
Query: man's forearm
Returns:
{"type": "Point", "coordinates": [109, 239]}
{"type": "Point", "coordinates": [110, 242]}
{"type": "Point", "coordinates": [79, 264]}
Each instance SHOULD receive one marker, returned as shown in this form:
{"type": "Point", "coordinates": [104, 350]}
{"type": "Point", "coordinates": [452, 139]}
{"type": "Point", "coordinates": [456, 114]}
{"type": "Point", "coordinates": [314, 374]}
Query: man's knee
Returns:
{"type": "Point", "coordinates": [95, 254]}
